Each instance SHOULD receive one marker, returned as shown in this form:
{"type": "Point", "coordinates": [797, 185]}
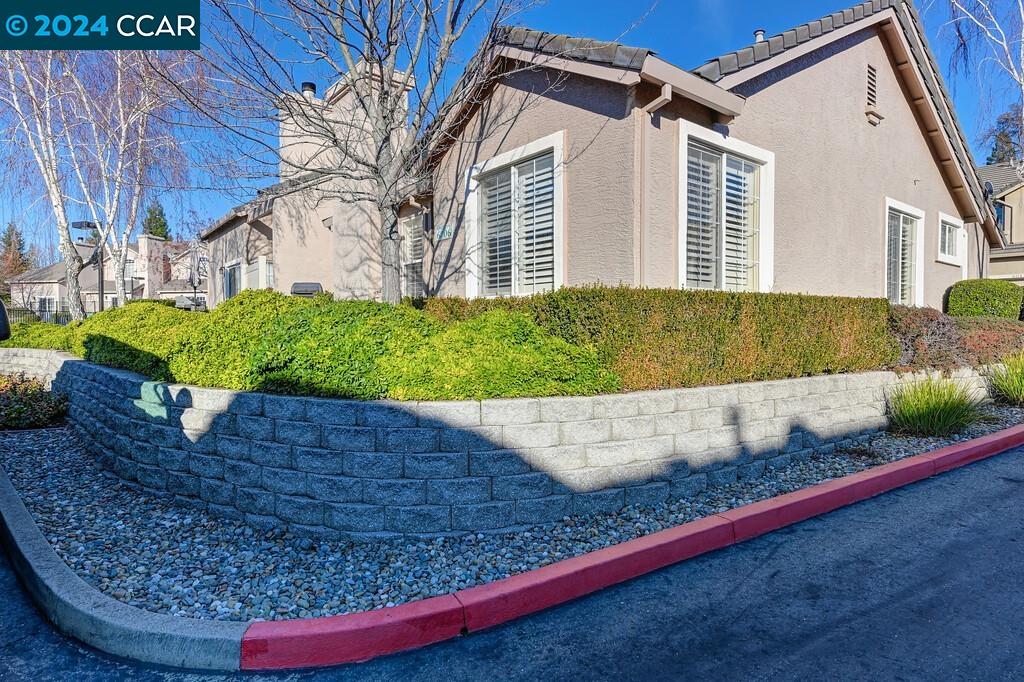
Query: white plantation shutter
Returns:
{"type": "Point", "coordinates": [703, 205]}
{"type": "Point", "coordinates": [899, 271]}
{"type": "Point", "coordinates": [741, 212]}
{"type": "Point", "coordinates": [517, 215]}
{"type": "Point", "coordinates": [722, 220]}
{"type": "Point", "coordinates": [535, 224]}
{"type": "Point", "coordinates": [496, 220]}
{"type": "Point", "coordinates": [411, 228]}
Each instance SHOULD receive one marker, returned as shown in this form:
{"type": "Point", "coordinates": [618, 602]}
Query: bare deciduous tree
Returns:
{"type": "Point", "coordinates": [402, 71]}
{"type": "Point", "coordinates": [90, 127]}
{"type": "Point", "coordinates": [988, 41]}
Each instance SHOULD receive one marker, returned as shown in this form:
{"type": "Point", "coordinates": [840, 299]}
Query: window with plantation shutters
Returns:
{"type": "Point", "coordinates": [411, 232]}
{"type": "Point", "coordinates": [517, 218]}
{"type": "Point", "coordinates": [899, 272]}
{"type": "Point", "coordinates": [722, 220]}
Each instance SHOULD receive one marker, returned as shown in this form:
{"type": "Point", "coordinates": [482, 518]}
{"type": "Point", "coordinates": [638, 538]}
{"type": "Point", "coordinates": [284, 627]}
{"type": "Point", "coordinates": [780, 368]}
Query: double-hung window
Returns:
{"type": "Point", "coordinates": [517, 219]}
{"type": "Point", "coordinates": [727, 212]}
{"type": "Point", "coordinates": [411, 232]}
{"type": "Point", "coordinates": [514, 226]}
{"type": "Point", "coordinates": [903, 236]}
{"type": "Point", "coordinates": [952, 242]}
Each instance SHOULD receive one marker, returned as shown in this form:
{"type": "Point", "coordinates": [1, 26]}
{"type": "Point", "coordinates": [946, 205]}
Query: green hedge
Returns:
{"type": "Point", "coordinates": [138, 337]}
{"type": "Point", "coordinates": [334, 348]}
{"type": "Point", "coordinates": [262, 340]}
{"type": "Point", "coordinates": [985, 298]}
{"type": "Point", "coordinates": [500, 354]}
{"type": "Point", "coordinates": [217, 347]}
{"type": "Point", "coordinates": [660, 338]}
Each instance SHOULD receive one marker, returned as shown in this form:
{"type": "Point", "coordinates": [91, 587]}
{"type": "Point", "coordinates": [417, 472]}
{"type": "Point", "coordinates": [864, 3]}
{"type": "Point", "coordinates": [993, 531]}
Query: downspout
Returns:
{"type": "Point", "coordinates": [649, 109]}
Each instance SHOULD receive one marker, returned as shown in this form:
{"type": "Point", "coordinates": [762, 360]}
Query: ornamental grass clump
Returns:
{"type": "Point", "coordinates": [1007, 380]}
{"type": "Point", "coordinates": [932, 407]}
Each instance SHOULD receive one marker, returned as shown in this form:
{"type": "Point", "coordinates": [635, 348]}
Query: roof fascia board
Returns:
{"type": "Point", "coordinates": [655, 70]}
{"type": "Point", "coordinates": [913, 76]}
{"type": "Point", "coordinates": [599, 71]}
{"type": "Point", "coordinates": [743, 75]}
{"type": "Point", "coordinates": [693, 87]}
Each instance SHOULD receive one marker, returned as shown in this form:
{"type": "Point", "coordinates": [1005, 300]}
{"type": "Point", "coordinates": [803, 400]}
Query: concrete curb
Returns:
{"type": "Point", "coordinates": [340, 639]}
{"type": "Point", "coordinates": [100, 621]}
{"type": "Point", "coordinates": [81, 611]}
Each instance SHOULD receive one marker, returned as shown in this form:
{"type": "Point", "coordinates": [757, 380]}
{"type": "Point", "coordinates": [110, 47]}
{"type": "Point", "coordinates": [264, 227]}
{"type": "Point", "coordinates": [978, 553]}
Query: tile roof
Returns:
{"type": "Point", "coordinates": [908, 21]}
{"type": "Point", "coordinates": [1003, 176]}
{"type": "Point", "coordinates": [47, 273]}
{"type": "Point", "coordinates": [571, 47]}
{"type": "Point", "coordinates": [719, 67]}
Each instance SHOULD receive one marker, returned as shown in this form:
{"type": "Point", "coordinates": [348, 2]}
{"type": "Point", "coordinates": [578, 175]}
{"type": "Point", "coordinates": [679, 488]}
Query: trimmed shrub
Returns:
{"type": "Point", "coordinates": [43, 335]}
{"type": "Point", "coordinates": [497, 354]}
{"type": "Point", "coordinates": [663, 338]}
{"type": "Point", "coordinates": [928, 338]}
{"type": "Point", "coordinates": [26, 404]}
{"type": "Point", "coordinates": [1007, 380]}
{"type": "Point", "coordinates": [988, 340]}
{"type": "Point", "coordinates": [138, 337]}
{"type": "Point", "coordinates": [335, 348]}
{"type": "Point", "coordinates": [932, 407]}
{"type": "Point", "coordinates": [985, 298]}
{"type": "Point", "coordinates": [216, 348]}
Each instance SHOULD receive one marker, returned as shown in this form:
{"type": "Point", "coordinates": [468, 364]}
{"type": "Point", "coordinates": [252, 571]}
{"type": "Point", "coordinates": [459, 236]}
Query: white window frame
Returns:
{"type": "Point", "coordinates": [960, 258]}
{"type": "Point", "coordinates": [766, 189]}
{"type": "Point", "coordinates": [223, 277]}
{"type": "Point", "coordinates": [420, 215]}
{"type": "Point", "coordinates": [919, 215]}
{"type": "Point", "coordinates": [554, 143]}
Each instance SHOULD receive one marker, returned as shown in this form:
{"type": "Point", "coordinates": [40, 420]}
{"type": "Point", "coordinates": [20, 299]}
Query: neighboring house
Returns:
{"type": "Point", "coordinates": [153, 264]}
{"type": "Point", "coordinates": [1005, 187]}
{"type": "Point", "coordinates": [825, 160]}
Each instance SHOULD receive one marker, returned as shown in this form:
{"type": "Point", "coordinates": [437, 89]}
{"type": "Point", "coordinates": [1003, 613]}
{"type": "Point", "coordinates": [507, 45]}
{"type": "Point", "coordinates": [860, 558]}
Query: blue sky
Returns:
{"type": "Point", "coordinates": [685, 32]}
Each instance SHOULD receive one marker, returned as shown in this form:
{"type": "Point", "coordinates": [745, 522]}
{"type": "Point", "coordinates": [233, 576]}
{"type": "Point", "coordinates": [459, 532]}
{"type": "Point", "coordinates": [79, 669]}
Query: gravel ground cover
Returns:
{"type": "Point", "coordinates": [154, 555]}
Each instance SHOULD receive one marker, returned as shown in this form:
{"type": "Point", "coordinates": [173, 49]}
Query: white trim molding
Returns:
{"type": "Point", "coordinates": [961, 244]}
{"type": "Point", "coordinates": [554, 143]}
{"type": "Point", "coordinates": [919, 215]}
{"type": "Point", "coordinates": [766, 193]}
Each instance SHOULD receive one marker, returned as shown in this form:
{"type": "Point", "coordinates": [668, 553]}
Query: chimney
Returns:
{"type": "Point", "coordinates": [759, 35]}
{"type": "Point", "coordinates": [309, 90]}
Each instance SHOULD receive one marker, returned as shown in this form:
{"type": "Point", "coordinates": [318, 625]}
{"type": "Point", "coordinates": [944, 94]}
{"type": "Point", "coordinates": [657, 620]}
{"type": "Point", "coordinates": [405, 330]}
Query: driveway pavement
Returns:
{"type": "Point", "coordinates": [925, 583]}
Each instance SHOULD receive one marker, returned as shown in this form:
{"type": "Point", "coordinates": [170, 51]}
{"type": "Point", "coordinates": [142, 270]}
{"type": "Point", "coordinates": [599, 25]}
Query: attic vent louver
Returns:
{"type": "Point", "coordinates": [871, 109]}
{"type": "Point", "coordinates": [872, 86]}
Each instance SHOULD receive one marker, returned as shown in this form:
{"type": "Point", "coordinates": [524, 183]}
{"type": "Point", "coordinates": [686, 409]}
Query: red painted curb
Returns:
{"type": "Point", "coordinates": [361, 636]}
{"type": "Point", "coordinates": [504, 600]}
{"type": "Point", "coordinates": [971, 451]}
{"type": "Point", "coordinates": [353, 637]}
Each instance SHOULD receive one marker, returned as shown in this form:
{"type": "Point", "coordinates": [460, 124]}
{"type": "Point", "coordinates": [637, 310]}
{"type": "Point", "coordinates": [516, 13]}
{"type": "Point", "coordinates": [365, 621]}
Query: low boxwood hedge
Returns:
{"type": "Point", "coordinates": [985, 298]}
{"type": "Point", "coordinates": [662, 338]}
{"type": "Point", "coordinates": [574, 341]}
{"type": "Point", "coordinates": [500, 354]}
{"type": "Point", "coordinates": [216, 348]}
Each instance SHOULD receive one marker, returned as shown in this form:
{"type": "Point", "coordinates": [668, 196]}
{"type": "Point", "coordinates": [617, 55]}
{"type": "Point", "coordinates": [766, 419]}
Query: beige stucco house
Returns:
{"type": "Point", "coordinates": [157, 269]}
{"type": "Point", "coordinates": [1005, 188]}
{"type": "Point", "coordinates": [826, 160]}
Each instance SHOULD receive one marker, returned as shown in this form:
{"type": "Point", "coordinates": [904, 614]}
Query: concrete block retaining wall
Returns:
{"type": "Point", "coordinates": [378, 469]}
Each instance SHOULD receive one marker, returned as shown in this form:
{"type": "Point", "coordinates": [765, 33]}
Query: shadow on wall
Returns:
{"type": "Point", "coordinates": [378, 469]}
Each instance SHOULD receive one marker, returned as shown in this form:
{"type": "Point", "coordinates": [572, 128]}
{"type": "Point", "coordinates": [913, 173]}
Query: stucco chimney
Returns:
{"type": "Point", "coordinates": [308, 90]}
{"type": "Point", "coordinates": [759, 35]}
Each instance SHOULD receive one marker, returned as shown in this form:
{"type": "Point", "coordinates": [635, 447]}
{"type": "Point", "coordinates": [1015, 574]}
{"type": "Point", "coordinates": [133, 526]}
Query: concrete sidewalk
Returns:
{"type": "Point", "coordinates": [921, 583]}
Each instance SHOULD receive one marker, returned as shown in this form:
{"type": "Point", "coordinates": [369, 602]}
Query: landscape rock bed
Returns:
{"type": "Point", "coordinates": [150, 553]}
